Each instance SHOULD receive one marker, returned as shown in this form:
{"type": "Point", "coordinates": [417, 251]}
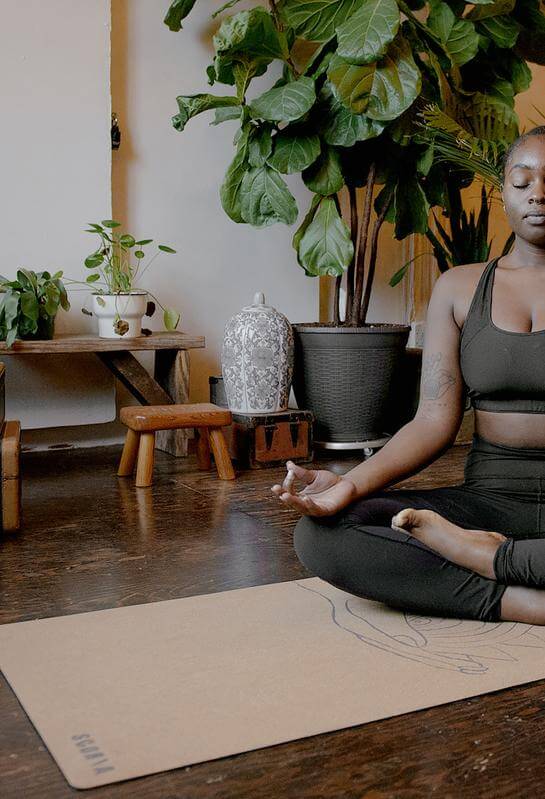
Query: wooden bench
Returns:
{"type": "Point", "coordinates": [169, 385]}
{"type": "Point", "coordinates": [143, 423]}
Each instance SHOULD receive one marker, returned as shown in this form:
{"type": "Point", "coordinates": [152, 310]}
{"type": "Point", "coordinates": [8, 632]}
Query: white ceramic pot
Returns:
{"type": "Point", "coordinates": [257, 359]}
{"type": "Point", "coordinates": [113, 310]}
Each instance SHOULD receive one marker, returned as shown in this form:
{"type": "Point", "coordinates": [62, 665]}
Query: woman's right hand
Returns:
{"type": "Point", "coordinates": [324, 494]}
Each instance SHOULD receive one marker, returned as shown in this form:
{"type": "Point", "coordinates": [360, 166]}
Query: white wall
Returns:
{"type": "Point", "coordinates": [55, 161]}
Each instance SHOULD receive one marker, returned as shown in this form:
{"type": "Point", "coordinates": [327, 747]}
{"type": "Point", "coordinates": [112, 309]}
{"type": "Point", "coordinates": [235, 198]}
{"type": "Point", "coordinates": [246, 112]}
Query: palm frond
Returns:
{"type": "Point", "coordinates": [457, 146]}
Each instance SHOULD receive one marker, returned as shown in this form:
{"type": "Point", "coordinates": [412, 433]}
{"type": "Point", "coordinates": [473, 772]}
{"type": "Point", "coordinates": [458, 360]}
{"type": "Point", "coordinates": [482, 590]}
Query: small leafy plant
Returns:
{"type": "Point", "coordinates": [118, 263]}
{"type": "Point", "coordinates": [29, 305]}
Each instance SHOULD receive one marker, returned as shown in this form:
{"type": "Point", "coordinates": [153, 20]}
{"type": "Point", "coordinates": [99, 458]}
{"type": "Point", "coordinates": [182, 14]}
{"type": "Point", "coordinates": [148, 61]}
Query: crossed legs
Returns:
{"type": "Point", "coordinates": [423, 551]}
{"type": "Point", "coordinates": [489, 554]}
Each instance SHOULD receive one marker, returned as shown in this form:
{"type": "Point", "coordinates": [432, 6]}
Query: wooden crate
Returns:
{"type": "Point", "coordinates": [267, 440]}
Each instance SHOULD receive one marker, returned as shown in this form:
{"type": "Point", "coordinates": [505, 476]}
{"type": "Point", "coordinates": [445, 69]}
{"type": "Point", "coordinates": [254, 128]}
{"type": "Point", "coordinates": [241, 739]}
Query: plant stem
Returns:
{"type": "Point", "coordinates": [354, 236]}
{"type": "Point", "coordinates": [362, 247]}
{"type": "Point", "coordinates": [280, 26]}
{"type": "Point", "coordinates": [373, 257]}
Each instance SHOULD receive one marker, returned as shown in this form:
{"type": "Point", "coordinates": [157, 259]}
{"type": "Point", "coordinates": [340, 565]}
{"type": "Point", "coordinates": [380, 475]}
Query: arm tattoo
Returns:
{"type": "Point", "coordinates": [435, 381]}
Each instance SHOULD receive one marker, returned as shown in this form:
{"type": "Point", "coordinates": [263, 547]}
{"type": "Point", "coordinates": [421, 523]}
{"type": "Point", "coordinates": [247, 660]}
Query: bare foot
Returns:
{"type": "Point", "coordinates": [474, 549]}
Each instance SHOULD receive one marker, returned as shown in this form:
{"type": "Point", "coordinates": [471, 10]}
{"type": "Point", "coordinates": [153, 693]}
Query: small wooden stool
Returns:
{"type": "Point", "coordinates": [144, 421]}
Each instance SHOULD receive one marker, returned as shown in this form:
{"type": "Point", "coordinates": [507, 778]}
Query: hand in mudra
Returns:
{"type": "Point", "coordinates": [324, 494]}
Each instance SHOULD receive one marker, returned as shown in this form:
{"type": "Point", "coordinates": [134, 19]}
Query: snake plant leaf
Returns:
{"type": "Point", "coordinates": [265, 198]}
{"type": "Point", "coordinates": [458, 35]}
{"type": "Point", "coordinates": [285, 103]}
{"type": "Point", "coordinates": [326, 247]}
{"type": "Point", "coordinates": [491, 9]}
{"type": "Point", "coordinates": [365, 36]}
{"type": "Point", "coordinates": [191, 105]}
{"type": "Point", "coordinates": [230, 189]}
{"type": "Point", "coordinates": [294, 151]}
{"type": "Point", "coordinates": [178, 11]}
{"type": "Point", "coordinates": [383, 90]}
{"type": "Point", "coordinates": [503, 30]}
{"type": "Point", "coordinates": [316, 20]}
{"type": "Point", "coordinates": [325, 175]}
{"type": "Point", "coordinates": [339, 126]}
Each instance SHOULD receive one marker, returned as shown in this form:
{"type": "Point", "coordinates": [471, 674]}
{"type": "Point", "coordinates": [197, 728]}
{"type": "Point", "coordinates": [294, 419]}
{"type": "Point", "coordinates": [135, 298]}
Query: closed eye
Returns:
{"type": "Point", "coordinates": [520, 187]}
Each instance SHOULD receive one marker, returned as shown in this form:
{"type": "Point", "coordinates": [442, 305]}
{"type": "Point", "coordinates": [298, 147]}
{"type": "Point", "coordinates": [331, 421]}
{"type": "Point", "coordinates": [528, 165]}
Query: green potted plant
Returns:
{"type": "Point", "coordinates": [116, 266]}
{"type": "Point", "coordinates": [343, 114]}
{"type": "Point", "coordinates": [29, 305]}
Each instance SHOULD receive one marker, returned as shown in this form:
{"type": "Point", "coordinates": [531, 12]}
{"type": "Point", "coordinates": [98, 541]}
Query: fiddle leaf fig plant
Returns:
{"type": "Point", "coordinates": [343, 113]}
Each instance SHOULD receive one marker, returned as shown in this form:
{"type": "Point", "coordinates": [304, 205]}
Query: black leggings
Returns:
{"type": "Point", "coordinates": [358, 551]}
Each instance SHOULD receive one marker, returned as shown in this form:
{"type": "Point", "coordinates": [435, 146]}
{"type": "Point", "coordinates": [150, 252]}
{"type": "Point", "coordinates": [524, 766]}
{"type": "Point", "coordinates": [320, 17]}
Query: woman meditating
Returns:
{"type": "Point", "coordinates": [474, 550]}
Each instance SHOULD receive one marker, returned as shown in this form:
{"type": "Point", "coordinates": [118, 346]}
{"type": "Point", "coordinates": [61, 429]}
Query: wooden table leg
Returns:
{"type": "Point", "coordinates": [172, 374]}
{"type": "Point", "coordinates": [132, 374]}
{"type": "Point", "coordinates": [169, 385]}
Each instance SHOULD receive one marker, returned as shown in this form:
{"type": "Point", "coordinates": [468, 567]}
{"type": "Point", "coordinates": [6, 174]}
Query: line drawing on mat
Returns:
{"type": "Point", "coordinates": [462, 645]}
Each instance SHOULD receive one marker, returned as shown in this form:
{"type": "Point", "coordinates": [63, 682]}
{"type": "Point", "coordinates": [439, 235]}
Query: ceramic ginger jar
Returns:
{"type": "Point", "coordinates": [257, 359]}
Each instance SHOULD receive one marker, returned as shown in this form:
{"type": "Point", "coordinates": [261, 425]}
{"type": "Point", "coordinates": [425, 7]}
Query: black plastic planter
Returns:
{"type": "Point", "coordinates": [349, 378]}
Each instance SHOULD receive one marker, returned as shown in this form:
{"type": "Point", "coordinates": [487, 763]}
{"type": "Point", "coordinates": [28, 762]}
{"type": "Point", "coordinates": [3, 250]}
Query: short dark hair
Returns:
{"type": "Point", "coordinates": [539, 130]}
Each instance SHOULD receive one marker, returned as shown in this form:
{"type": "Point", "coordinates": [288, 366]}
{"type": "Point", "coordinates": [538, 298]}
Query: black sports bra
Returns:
{"type": "Point", "coordinates": [503, 370]}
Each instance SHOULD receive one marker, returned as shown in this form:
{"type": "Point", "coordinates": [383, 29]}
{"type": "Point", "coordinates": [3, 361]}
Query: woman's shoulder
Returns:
{"type": "Point", "coordinates": [457, 286]}
{"type": "Point", "coordinates": [459, 278]}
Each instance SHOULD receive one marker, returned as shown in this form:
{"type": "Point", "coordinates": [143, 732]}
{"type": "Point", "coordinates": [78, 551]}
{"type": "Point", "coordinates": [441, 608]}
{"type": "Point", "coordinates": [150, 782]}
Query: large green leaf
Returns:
{"type": "Point", "coordinates": [326, 247]}
{"type": "Point", "coordinates": [515, 70]}
{"type": "Point", "coordinates": [253, 33]}
{"type": "Point", "coordinates": [285, 103]}
{"type": "Point", "coordinates": [531, 40]}
{"type": "Point", "coordinates": [225, 114]}
{"type": "Point", "coordinates": [503, 30]}
{"type": "Point", "coordinates": [411, 207]}
{"type": "Point", "coordinates": [245, 45]}
{"type": "Point", "coordinates": [178, 10]}
{"type": "Point", "coordinates": [365, 36]}
{"type": "Point", "coordinates": [309, 216]}
{"type": "Point", "coordinates": [230, 189]}
{"type": "Point", "coordinates": [493, 9]}
{"type": "Point", "coordinates": [294, 151]}
{"type": "Point", "coordinates": [352, 84]}
{"type": "Point", "coordinates": [260, 145]}
{"type": "Point", "coordinates": [194, 104]}
{"type": "Point", "coordinates": [458, 35]}
{"type": "Point", "coordinates": [383, 90]}
{"type": "Point", "coordinates": [265, 198]}
{"type": "Point", "coordinates": [339, 126]}
{"type": "Point", "coordinates": [325, 175]}
{"type": "Point", "coordinates": [316, 20]}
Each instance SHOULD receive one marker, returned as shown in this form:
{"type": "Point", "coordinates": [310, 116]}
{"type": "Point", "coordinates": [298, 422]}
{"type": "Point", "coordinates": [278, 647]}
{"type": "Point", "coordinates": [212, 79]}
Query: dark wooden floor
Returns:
{"type": "Point", "coordinates": [90, 542]}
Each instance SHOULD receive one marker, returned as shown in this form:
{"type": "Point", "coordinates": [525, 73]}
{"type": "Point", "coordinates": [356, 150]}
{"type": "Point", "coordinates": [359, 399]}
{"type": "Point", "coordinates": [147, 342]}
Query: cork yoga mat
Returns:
{"type": "Point", "coordinates": [121, 693]}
